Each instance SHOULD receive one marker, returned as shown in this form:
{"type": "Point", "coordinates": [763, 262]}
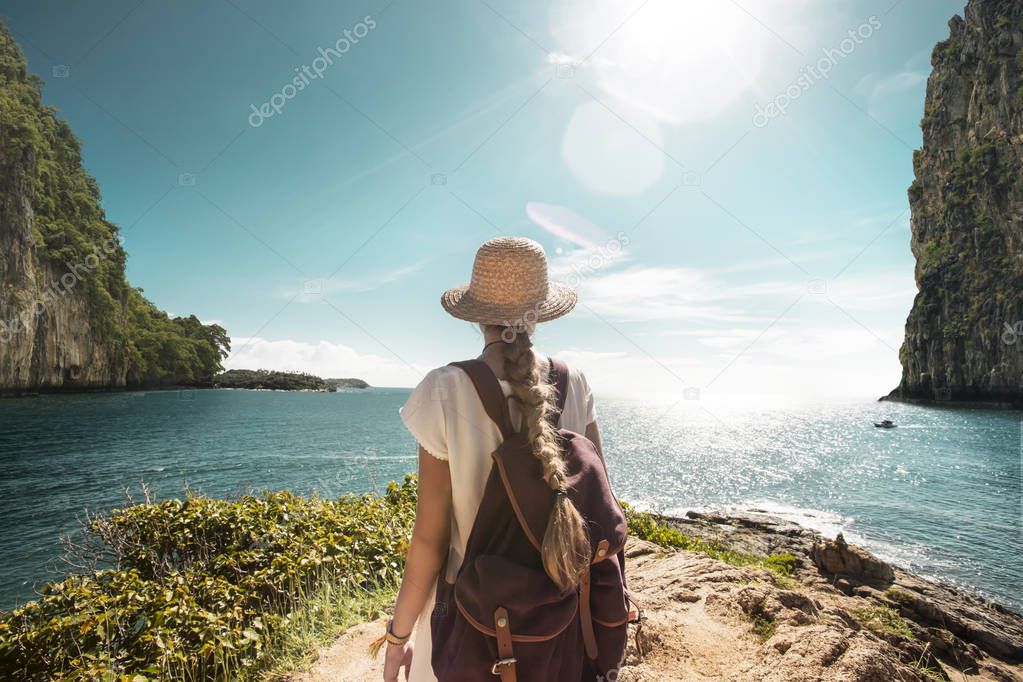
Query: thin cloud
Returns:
{"type": "Point", "coordinates": [375, 281]}
{"type": "Point", "coordinates": [877, 86]}
{"type": "Point", "coordinates": [310, 291]}
{"type": "Point", "coordinates": [323, 358]}
{"type": "Point", "coordinates": [639, 293]}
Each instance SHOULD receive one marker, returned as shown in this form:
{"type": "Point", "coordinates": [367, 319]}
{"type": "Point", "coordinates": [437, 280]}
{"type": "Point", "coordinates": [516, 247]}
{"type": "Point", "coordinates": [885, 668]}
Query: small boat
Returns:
{"type": "Point", "coordinates": [885, 424]}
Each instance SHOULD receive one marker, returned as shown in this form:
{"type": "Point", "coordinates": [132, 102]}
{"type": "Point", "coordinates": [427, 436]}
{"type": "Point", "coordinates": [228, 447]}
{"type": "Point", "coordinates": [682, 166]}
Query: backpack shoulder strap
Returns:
{"type": "Point", "coordinates": [559, 378]}
{"type": "Point", "coordinates": [491, 395]}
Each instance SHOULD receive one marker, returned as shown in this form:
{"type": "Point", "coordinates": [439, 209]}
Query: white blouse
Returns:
{"type": "Point", "coordinates": [447, 419]}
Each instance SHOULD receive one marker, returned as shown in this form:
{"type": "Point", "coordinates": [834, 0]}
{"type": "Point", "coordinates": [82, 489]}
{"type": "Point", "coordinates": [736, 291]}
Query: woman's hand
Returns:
{"type": "Point", "coordinates": [396, 658]}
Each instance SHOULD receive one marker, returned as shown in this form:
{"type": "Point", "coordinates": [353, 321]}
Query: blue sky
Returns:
{"type": "Point", "coordinates": [724, 182]}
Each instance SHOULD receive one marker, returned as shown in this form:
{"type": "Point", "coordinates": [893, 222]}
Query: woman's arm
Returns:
{"type": "Point", "coordinates": [427, 551]}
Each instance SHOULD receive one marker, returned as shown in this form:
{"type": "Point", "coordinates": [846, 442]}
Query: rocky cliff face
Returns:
{"type": "Point", "coordinates": [48, 323]}
{"type": "Point", "coordinates": [964, 334]}
{"type": "Point", "coordinates": [69, 320]}
{"type": "Point", "coordinates": [58, 349]}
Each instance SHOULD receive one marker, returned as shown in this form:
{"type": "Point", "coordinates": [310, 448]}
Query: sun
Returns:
{"type": "Point", "coordinates": [678, 61]}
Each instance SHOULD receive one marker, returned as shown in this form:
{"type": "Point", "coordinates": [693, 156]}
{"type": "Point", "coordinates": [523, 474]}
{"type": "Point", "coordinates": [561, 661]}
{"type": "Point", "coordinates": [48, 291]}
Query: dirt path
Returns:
{"type": "Point", "coordinates": [347, 659]}
{"type": "Point", "coordinates": [708, 620]}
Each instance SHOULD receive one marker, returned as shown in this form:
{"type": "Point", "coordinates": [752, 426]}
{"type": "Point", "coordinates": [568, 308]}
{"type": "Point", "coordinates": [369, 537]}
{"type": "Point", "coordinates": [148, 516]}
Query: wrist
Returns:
{"type": "Point", "coordinates": [393, 637]}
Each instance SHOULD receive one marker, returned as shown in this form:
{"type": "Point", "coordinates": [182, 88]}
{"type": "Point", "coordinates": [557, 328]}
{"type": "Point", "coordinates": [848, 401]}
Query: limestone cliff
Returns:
{"type": "Point", "coordinates": [964, 334]}
{"type": "Point", "coordinates": [68, 318]}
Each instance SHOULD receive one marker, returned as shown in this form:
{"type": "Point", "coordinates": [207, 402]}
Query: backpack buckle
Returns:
{"type": "Point", "coordinates": [501, 662]}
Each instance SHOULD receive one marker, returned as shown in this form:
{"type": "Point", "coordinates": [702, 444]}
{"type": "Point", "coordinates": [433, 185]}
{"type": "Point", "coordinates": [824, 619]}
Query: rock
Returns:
{"type": "Point", "coordinates": [948, 645]}
{"type": "Point", "coordinates": [754, 518]}
{"type": "Point", "coordinates": [980, 623]}
{"type": "Point", "coordinates": [855, 564]}
{"type": "Point", "coordinates": [964, 334]}
{"type": "Point", "coordinates": [55, 345]}
{"type": "Point", "coordinates": [65, 302]}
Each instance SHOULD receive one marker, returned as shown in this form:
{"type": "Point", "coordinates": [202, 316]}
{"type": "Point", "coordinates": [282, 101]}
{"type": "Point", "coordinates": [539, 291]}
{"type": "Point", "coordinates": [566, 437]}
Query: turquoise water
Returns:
{"type": "Point", "coordinates": [940, 495]}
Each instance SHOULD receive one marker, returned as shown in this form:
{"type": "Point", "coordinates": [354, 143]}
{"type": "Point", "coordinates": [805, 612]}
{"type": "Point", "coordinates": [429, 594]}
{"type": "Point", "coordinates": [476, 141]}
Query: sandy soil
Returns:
{"type": "Point", "coordinates": [707, 620]}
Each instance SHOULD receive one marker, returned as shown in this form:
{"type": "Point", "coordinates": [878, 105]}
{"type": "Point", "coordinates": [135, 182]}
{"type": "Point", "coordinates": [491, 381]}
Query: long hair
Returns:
{"type": "Point", "coordinates": [565, 551]}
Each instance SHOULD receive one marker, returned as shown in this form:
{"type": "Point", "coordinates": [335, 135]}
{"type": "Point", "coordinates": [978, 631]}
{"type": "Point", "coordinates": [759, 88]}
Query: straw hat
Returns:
{"type": "Point", "coordinates": [509, 286]}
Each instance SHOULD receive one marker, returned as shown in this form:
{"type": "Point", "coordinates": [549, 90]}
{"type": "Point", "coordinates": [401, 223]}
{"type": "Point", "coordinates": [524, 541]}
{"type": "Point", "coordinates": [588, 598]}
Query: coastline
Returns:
{"type": "Point", "coordinates": [984, 402]}
{"type": "Point", "coordinates": [35, 393]}
{"type": "Point", "coordinates": [729, 596]}
{"type": "Point", "coordinates": [840, 614]}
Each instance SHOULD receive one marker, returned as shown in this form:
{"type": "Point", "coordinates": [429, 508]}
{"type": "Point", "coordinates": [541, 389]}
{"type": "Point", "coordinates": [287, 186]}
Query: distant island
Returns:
{"type": "Point", "coordinates": [269, 380]}
{"type": "Point", "coordinates": [347, 384]}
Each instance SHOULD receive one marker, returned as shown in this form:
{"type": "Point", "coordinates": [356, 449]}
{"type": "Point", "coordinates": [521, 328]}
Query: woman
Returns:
{"type": "Point", "coordinates": [509, 293]}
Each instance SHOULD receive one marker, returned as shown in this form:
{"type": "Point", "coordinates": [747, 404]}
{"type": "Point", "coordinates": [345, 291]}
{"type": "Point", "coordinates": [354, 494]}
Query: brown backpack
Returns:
{"type": "Point", "coordinates": [503, 616]}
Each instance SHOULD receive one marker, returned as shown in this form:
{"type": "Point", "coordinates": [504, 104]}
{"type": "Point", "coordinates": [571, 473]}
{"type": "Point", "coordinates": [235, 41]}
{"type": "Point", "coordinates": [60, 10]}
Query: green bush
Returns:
{"type": "Point", "coordinates": [900, 597]}
{"type": "Point", "coordinates": [883, 621]}
{"type": "Point", "coordinates": [202, 588]}
{"type": "Point", "coordinates": [973, 169]}
{"type": "Point", "coordinates": [933, 254]}
{"type": "Point", "coordinates": [915, 191]}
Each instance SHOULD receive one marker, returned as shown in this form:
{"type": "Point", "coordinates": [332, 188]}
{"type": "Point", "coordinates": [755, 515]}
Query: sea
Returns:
{"type": "Point", "coordinates": [939, 495]}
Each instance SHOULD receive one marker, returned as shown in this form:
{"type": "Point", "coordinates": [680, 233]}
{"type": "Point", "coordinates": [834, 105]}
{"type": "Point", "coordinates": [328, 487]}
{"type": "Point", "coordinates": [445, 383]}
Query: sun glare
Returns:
{"type": "Point", "coordinates": [678, 62]}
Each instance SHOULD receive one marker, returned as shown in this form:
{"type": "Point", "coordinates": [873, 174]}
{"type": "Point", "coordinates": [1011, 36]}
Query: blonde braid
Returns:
{"type": "Point", "coordinates": [566, 547]}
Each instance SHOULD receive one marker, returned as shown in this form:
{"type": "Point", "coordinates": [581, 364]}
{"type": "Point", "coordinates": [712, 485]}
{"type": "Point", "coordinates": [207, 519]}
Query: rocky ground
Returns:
{"type": "Point", "coordinates": [844, 616]}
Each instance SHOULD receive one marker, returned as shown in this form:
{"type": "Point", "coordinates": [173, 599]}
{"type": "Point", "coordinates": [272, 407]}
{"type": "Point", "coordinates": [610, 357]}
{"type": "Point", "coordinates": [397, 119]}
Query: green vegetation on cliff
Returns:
{"type": "Point", "coordinates": [182, 348]}
{"type": "Point", "coordinates": [68, 236]}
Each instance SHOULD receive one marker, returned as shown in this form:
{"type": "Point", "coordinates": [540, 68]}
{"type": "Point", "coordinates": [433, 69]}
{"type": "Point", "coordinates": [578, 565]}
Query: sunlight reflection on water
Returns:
{"type": "Point", "coordinates": [940, 494]}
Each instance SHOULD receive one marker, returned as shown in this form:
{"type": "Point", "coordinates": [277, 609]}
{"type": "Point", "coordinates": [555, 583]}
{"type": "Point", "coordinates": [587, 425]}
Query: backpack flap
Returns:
{"type": "Point", "coordinates": [537, 609]}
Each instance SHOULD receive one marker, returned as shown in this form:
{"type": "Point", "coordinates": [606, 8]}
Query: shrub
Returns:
{"type": "Point", "coordinates": [955, 329]}
{"type": "Point", "coordinates": [203, 588]}
{"type": "Point", "coordinates": [898, 596]}
{"type": "Point", "coordinates": [916, 191]}
{"type": "Point", "coordinates": [933, 254]}
{"type": "Point", "coordinates": [764, 626]}
{"type": "Point", "coordinates": [883, 621]}
{"type": "Point", "coordinates": [973, 168]}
